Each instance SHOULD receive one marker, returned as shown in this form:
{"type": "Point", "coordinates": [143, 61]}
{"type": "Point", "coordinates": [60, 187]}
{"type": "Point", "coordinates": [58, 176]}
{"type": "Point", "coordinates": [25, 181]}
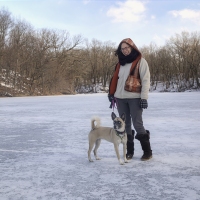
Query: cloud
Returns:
{"type": "Point", "coordinates": [160, 38]}
{"type": "Point", "coordinates": [86, 1]}
{"type": "Point", "coordinates": [193, 15]}
{"type": "Point", "coordinates": [128, 11]}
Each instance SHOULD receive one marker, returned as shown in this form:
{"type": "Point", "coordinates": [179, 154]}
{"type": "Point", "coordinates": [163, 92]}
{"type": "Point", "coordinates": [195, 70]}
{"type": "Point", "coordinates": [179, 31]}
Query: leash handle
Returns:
{"type": "Point", "coordinates": [113, 104]}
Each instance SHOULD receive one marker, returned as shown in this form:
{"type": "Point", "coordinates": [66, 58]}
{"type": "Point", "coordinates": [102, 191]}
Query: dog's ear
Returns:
{"type": "Point", "coordinates": [113, 116]}
{"type": "Point", "coordinates": [123, 117]}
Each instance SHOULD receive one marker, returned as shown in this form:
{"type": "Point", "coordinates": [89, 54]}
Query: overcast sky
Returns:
{"type": "Point", "coordinates": [109, 20]}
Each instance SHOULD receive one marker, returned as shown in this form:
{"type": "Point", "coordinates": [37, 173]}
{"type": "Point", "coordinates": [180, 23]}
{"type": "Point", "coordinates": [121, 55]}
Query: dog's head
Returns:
{"type": "Point", "coordinates": [118, 122]}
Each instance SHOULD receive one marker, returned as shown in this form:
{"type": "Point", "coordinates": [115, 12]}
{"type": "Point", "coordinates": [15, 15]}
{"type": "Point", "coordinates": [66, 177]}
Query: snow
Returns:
{"type": "Point", "coordinates": [43, 150]}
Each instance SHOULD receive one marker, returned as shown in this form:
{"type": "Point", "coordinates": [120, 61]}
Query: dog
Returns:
{"type": "Point", "coordinates": [116, 135]}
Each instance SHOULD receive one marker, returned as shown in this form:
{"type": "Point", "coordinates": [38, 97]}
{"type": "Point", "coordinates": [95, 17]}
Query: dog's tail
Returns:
{"type": "Point", "coordinates": [98, 122]}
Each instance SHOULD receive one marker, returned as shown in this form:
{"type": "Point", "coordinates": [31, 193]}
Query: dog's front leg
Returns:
{"type": "Point", "coordinates": [117, 153]}
{"type": "Point", "coordinates": [124, 152]}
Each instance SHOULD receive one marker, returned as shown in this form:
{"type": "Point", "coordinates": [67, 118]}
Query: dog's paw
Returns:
{"type": "Point", "coordinates": [121, 162]}
{"type": "Point", "coordinates": [126, 161]}
{"type": "Point", "coordinates": [97, 158]}
{"type": "Point", "coordinates": [91, 160]}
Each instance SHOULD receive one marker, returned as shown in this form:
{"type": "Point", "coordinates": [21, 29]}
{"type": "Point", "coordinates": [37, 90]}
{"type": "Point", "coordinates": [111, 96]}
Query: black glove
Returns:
{"type": "Point", "coordinates": [111, 97]}
{"type": "Point", "coordinates": [143, 103]}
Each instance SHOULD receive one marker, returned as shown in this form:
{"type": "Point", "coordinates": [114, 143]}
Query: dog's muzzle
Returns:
{"type": "Point", "coordinates": [117, 124]}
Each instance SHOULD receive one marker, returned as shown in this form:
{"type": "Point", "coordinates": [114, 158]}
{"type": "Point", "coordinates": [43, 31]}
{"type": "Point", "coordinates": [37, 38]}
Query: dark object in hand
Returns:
{"type": "Point", "coordinates": [111, 98]}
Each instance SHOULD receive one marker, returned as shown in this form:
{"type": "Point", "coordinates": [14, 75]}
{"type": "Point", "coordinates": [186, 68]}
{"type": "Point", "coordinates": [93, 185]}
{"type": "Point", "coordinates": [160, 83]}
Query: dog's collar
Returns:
{"type": "Point", "coordinates": [120, 134]}
{"type": "Point", "coordinates": [123, 132]}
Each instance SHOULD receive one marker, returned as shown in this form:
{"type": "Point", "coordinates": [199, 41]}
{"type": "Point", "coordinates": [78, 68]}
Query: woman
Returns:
{"type": "Point", "coordinates": [129, 88]}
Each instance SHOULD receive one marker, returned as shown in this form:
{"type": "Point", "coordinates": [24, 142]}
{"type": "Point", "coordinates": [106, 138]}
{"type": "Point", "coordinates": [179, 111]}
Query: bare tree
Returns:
{"type": "Point", "coordinates": [108, 62]}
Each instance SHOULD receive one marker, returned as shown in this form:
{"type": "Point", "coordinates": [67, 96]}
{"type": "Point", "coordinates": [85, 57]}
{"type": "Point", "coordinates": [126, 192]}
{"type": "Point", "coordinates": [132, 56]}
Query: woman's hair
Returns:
{"type": "Point", "coordinates": [118, 51]}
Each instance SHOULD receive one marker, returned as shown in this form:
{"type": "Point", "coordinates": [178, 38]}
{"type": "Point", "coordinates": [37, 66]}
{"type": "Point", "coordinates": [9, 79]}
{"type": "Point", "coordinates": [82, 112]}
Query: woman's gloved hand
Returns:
{"type": "Point", "coordinates": [143, 103]}
{"type": "Point", "coordinates": [111, 98]}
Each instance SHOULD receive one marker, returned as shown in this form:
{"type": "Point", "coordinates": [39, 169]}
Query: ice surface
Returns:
{"type": "Point", "coordinates": [43, 150]}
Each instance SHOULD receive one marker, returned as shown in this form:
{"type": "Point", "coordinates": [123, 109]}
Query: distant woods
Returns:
{"type": "Point", "coordinates": [47, 62]}
{"type": "Point", "coordinates": [177, 64]}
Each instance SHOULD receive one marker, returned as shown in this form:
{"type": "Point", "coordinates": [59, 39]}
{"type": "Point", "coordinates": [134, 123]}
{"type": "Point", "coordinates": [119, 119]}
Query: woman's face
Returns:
{"type": "Point", "coordinates": [125, 49]}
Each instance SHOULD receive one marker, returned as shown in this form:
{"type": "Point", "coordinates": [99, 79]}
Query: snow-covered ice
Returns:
{"type": "Point", "coordinates": [44, 143]}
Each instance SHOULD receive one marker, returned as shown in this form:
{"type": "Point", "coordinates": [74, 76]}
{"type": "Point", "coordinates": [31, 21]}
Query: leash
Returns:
{"type": "Point", "coordinates": [113, 104]}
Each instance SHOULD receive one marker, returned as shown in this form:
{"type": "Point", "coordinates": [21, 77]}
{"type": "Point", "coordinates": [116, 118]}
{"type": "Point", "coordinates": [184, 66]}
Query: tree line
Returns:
{"type": "Point", "coordinates": [176, 64]}
{"type": "Point", "coordinates": [46, 62]}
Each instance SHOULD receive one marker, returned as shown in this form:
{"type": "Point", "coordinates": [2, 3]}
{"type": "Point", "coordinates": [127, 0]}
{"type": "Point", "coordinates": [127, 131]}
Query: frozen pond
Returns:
{"type": "Point", "coordinates": [43, 150]}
